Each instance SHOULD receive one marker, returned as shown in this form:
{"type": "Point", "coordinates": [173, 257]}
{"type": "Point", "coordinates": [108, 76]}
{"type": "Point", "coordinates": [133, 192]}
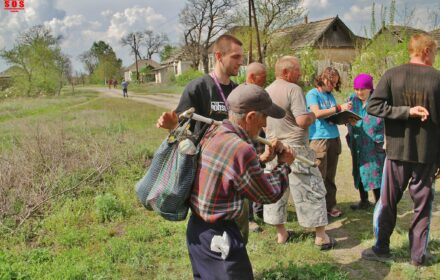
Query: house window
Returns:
{"type": "Point", "coordinates": [175, 69]}
{"type": "Point", "coordinates": [334, 27]}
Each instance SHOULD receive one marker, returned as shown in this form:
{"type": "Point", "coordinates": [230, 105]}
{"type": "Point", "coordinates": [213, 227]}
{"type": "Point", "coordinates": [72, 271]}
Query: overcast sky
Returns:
{"type": "Point", "coordinates": [81, 22]}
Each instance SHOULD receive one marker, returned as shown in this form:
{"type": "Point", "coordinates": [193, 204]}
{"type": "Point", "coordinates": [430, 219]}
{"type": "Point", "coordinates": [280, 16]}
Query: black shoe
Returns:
{"type": "Point", "coordinates": [371, 255]}
{"type": "Point", "coordinates": [363, 205]}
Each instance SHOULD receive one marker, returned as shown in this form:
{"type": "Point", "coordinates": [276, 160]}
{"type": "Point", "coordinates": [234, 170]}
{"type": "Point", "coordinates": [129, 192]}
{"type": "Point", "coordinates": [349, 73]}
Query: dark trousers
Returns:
{"type": "Point", "coordinates": [207, 264]}
{"type": "Point", "coordinates": [364, 194]}
{"type": "Point", "coordinates": [419, 179]}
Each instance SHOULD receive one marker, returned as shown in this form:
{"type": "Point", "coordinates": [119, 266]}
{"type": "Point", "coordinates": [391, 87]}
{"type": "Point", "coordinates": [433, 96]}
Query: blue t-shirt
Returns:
{"type": "Point", "coordinates": [321, 129]}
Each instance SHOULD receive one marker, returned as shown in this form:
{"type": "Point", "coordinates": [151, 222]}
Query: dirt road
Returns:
{"type": "Point", "coordinates": [163, 100]}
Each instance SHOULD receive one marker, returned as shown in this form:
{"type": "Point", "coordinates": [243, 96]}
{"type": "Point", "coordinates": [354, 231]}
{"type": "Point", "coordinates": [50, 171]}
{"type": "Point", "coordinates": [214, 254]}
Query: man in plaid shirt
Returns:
{"type": "Point", "coordinates": [229, 170]}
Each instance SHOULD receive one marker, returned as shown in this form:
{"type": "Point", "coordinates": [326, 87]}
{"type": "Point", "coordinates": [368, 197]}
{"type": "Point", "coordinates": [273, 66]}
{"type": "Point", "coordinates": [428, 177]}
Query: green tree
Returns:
{"type": "Point", "coordinates": [166, 53]}
{"type": "Point", "coordinates": [38, 62]}
{"type": "Point", "coordinates": [107, 65]}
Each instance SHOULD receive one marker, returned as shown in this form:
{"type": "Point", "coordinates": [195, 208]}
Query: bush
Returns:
{"type": "Point", "coordinates": [188, 76]}
{"type": "Point", "coordinates": [108, 208]}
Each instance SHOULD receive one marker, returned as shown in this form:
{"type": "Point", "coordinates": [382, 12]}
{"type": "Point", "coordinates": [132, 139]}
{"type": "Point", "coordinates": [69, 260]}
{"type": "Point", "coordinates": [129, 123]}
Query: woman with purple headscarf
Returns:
{"type": "Point", "coordinates": [365, 139]}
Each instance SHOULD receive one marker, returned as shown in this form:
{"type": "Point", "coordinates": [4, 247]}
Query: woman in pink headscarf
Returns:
{"type": "Point", "coordinates": [365, 139]}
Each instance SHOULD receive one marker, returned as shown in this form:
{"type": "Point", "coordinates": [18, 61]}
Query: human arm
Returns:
{"type": "Point", "coordinates": [381, 103]}
{"type": "Point", "coordinates": [170, 120]}
{"type": "Point", "coordinates": [304, 121]}
{"type": "Point", "coordinates": [251, 180]}
{"type": "Point", "coordinates": [322, 113]}
{"type": "Point", "coordinates": [167, 120]}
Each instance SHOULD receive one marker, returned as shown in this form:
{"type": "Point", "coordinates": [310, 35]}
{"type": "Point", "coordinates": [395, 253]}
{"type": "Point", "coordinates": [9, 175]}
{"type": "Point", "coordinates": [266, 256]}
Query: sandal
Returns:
{"type": "Point", "coordinates": [290, 235]}
{"type": "Point", "coordinates": [335, 212]}
{"type": "Point", "coordinates": [327, 246]}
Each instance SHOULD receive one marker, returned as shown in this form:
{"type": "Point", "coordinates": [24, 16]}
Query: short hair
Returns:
{"type": "Point", "coordinates": [224, 42]}
{"type": "Point", "coordinates": [419, 42]}
{"type": "Point", "coordinates": [255, 67]}
{"type": "Point", "coordinates": [328, 74]}
{"type": "Point", "coordinates": [285, 62]}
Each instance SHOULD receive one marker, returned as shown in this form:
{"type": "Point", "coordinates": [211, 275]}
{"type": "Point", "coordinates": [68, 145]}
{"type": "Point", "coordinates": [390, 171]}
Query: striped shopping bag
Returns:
{"type": "Point", "coordinates": [167, 185]}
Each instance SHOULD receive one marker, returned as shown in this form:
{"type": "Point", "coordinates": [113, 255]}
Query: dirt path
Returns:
{"type": "Point", "coordinates": [163, 100]}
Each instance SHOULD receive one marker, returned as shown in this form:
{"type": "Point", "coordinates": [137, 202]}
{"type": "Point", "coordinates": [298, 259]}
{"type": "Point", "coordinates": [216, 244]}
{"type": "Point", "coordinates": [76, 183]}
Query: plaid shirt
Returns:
{"type": "Point", "coordinates": [229, 170]}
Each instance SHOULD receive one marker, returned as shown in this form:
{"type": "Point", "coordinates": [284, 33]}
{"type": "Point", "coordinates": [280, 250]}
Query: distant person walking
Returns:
{"type": "Point", "coordinates": [408, 98]}
{"type": "Point", "coordinates": [109, 83]}
{"type": "Point", "coordinates": [115, 83]}
{"type": "Point", "coordinates": [124, 85]}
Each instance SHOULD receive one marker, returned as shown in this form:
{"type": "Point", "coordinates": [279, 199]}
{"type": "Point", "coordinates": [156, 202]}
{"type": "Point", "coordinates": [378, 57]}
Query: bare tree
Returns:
{"type": "Point", "coordinates": [153, 42]}
{"type": "Point", "coordinates": [271, 16]}
{"type": "Point", "coordinates": [133, 40]}
{"type": "Point", "coordinates": [89, 60]}
{"type": "Point", "coordinates": [203, 21]}
{"type": "Point", "coordinates": [274, 15]}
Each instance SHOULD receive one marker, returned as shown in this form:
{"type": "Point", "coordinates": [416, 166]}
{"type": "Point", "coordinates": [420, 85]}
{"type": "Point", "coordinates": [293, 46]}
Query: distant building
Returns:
{"type": "Point", "coordinates": [397, 34]}
{"type": "Point", "coordinates": [144, 76]}
{"type": "Point", "coordinates": [172, 67]}
{"type": "Point", "coordinates": [331, 39]}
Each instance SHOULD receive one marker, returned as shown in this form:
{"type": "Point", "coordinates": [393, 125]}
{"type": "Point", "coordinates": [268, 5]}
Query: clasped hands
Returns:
{"type": "Point", "coordinates": [277, 148]}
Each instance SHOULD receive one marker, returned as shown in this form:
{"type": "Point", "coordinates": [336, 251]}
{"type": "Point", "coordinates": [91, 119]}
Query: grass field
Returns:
{"type": "Point", "coordinates": [68, 209]}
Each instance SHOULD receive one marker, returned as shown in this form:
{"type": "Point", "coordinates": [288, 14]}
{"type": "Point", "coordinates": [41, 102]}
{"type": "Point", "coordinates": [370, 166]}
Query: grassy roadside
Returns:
{"type": "Point", "coordinates": [95, 150]}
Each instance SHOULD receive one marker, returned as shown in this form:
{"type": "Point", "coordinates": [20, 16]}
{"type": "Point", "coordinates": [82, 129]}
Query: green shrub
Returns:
{"type": "Point", "coordinates": [188, 76]}
{"type": "Point", "coordinates": [108, 208]}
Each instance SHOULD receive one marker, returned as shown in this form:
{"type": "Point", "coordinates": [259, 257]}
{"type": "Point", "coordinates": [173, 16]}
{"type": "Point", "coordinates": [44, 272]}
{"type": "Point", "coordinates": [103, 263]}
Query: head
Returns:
{"type": "Point", "coordinates": [422, 46]}
{"type": "Point", "coordinates": [228, 54]}
{"type": "Point", "coordinates": [249, 106]}
{"type": "Point", "coordinates": [363, 86]}
{"type": "Point", "coordinates": [288, 69]}
{"type": "Point", "coordinates": [256, 74]}
{"type": "Point", "coordinates": [328, 80]}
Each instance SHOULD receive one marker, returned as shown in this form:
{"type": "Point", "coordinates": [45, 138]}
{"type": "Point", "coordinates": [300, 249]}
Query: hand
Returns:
{"type": "Point", "coordinates": [167, 120]}
{"type": "Point", "coordinates": [437, 173]}
{"type": "Point", "coordinates": [287, 156]}
{"type": "Point", "coordinates": [271, 150]}
{"type": "Point", "coordinates": [419, 112]}
{"type": "Point", "coordinates": [352, 121]}
{"type": "Point", "coordinates": [346, 106]}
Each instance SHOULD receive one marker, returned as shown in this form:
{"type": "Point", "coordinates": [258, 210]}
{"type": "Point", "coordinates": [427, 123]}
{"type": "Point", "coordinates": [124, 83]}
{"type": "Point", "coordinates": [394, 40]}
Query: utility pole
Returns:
{"type": "Point", "coordinates": [136, 59]}
{"type": "Point", "coordinates": [250, 59]}
{"type": "Point", "coordinates": [260, 56]}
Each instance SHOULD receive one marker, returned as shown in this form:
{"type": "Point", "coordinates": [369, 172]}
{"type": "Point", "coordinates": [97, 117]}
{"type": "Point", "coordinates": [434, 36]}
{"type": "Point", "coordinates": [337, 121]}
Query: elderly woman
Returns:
{"type": "Point", "coordinates": [324, 135]}
{"type": "Point", "coordinates": [365, 139]}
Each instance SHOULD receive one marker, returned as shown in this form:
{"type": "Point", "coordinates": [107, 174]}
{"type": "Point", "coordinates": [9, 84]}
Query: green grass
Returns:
{"type": "Point", "coordinates": [100, 230]}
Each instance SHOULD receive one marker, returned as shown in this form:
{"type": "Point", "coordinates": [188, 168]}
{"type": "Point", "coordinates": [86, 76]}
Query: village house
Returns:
{"type": "Point", "coordinates": [145, 68]}
{"type": "Point", "coordinates": [331, 38]}
{"type": "Point", "coordinates": [333, 43]}
{"type": "Point", "coordinates": [172, 67]}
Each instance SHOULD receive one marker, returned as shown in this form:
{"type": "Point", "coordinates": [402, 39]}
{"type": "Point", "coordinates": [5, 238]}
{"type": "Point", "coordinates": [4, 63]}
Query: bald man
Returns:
{"type": "Point", "coordinates": [306, 184]}
{"type": "Point", "coordinates": [256, 74]}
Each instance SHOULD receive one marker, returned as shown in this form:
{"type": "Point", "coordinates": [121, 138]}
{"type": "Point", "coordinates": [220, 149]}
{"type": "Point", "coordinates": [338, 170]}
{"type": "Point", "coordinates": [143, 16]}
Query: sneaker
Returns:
{"type": "Point", "coordinates": [362, 205]}
{"type": "Point", "coordinates": [371, 255]}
